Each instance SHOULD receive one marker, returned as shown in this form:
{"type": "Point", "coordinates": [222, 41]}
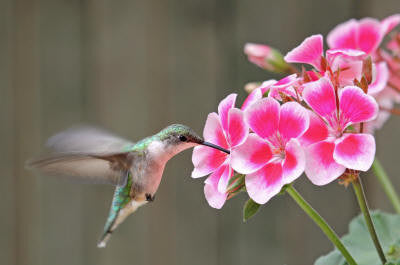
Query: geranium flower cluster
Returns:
{"type": "Point", "coordinates": [318, 121]}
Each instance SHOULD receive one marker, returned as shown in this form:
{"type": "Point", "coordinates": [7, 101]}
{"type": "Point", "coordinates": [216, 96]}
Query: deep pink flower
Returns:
{"type": "Point", "coordinates": [365, 34]}
{"type": "Point", "coordinates": [271, 156]}
{"type": "Point", "coordinates": [331, 148]}
{"type": "Point", "coordinates": [228, 130]}
{"type": "Point", "coordinates": [348, 61]}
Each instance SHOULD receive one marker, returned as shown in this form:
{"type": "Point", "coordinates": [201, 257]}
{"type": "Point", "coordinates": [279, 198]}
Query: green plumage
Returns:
{"type": "Point", "coordinates": [120, 200]}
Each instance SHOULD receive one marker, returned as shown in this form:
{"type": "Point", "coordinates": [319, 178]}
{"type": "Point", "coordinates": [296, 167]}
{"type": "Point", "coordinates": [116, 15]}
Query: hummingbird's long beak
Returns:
{"type": "Point", "coordinates": [215, 146]}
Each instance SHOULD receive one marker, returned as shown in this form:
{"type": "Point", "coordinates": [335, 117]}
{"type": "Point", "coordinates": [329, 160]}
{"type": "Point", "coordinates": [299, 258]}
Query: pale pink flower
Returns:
{"type": "Point", "coordinates": [266, 57]}
{"type": "Point", "coordinates": [271, 156]}
{"type": "Point", "coordinates": [330, 147]}
{"type": "Point", "coordinates": [228, 130]}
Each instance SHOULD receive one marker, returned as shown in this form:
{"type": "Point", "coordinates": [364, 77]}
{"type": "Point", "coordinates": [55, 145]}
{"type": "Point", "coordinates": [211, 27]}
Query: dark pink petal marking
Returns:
{"type": "Point", "coordinates": [263, 117]}
{"type": "Point", "coordinates": [294, 163]}
{"type": "Point", "coordinates": [355, 106]}
{"type": "Point", "coordinates": [294, 120]}
{"type": "Point", "coordinates": [238, 130]}
{"type": "Point", "coordinates": [320, 96]}
{"type": "Point", "coordinates": [265, 183]}
{"type": "Point", "coordinates": [355, 151]}
{"type": "Point", "coordinates": [213, 131]}
{"type": "Point", "coordinates": [321, 168]}
{"type": "Point", "coordinates": [206, 160]}
{"type": "Point", "coordinates": [317, 130]}
{"type": "Point", "coordinates": [251, 156]}
{"type": "Point", "coordinates": [369, 35]}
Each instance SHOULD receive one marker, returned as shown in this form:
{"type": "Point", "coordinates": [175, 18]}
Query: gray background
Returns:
{"type": "Point", "coordinates": [135, 67]}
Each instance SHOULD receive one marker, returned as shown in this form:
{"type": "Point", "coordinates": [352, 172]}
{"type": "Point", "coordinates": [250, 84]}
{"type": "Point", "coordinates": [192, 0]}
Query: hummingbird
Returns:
{"type": "Point", "coordinates": [91, 155]}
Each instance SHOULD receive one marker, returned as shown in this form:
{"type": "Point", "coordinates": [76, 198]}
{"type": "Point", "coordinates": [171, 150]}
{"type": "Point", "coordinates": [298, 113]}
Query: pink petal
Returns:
{"type": "Point", "coordinates": [237, 128]}
{"type": "Point", "coordinates": [294, 163]}
{"type": "Point", "coordinates": [309, 51]}
{"type": "Point", "coordinates": [320, 96]}
{"type": "Point", "coordinates": [338, 58]}
{"type": "Point", "coordinates": [206, 160]}
{"type": "Point", "coordinates": [355, 151]}
{"type": "Point", "coordinates": [390, 23]}
{"type": "Point", "coordinates": [355, 106]}
{"type": "Point", "coordinates": [317, 130]}
{"type": "Point", "coordinates": [331, 54]}
{"type": "Point", "coordinates": [226, 175]}
{"type": "Point", "coordinates": [344, 36]}
{"type": "Point", "coordinates": [215, 198]}
{"type": "Point", "coordinates": [369, 34]}
{"type": "Point", "coordinates": [285, 86]}
{"type": "Point", "coordinates": [251, 156]}
{"type": "Point", "coordinates": [263, 117]}
{"type": "Point", "coordinates": [294, 120]}
{"type": "Point", "coordinates": [265, 86]}
{"type": "Point", "coordinates": [381, 78]}
{"type": "Point", "coordinates": [255, 95]}
{"type": "Point", "coordinates": [265, 183]}
{"type": "Point", "coordinates": [350, 71]}
{"type": "Point", "coordinates": [224, 106]}
{"type": "Point", "coordinates": [213, 131]}
{"type": "Point", "coordinates": [286, 81]}
{"type": "Point", "coordinates": [321, 168]}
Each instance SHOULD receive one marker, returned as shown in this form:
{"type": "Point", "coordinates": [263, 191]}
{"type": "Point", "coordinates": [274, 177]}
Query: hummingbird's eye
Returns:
{"type": "Point", "coordinates": [182, 138]}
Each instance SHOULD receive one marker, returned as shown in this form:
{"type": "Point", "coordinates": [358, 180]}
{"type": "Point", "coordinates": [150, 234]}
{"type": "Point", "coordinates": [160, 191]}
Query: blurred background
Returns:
{"type": "Point", "coordinates": [135, 67]}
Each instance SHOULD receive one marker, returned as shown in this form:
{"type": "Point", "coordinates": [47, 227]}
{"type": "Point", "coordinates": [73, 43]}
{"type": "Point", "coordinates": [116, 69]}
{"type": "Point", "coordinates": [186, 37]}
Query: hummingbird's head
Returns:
{"type": "Point", "coordinates": [182, 137]}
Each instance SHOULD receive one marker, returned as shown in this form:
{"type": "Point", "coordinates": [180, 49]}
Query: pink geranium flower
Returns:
{"type": "Point", "coordinates": [331, 146]}
{"type": "Point", "coordinates": [271, 156]}
{"type": "Point", "coordinates": [348, 61]}
{"type": "Point", "coordinates": [228, 130]}
{"type": "Point", "coordinates": [365, 34]}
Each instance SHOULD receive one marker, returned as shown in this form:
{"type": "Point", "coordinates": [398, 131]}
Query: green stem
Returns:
{"type": "Point", "coordinates": [386, 184]}
{"type": "Point", "coordinates": [362, 201]}
{"type": "Point", "coordinates": [328, 231]}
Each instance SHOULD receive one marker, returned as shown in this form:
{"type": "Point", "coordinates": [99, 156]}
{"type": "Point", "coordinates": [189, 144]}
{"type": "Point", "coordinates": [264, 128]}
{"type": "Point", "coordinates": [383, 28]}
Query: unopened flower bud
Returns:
{"type": "Point", "coordinates": [266, 57]}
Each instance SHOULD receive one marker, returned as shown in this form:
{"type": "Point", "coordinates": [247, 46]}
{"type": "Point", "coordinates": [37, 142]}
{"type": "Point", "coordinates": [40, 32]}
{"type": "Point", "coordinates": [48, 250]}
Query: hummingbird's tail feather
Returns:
{"type": "Point", "coordinates": [122, 206]}
{"type": "Point", "coordinates": [104, 239]}
{"type": "Point", "coordinates": [115, 219]}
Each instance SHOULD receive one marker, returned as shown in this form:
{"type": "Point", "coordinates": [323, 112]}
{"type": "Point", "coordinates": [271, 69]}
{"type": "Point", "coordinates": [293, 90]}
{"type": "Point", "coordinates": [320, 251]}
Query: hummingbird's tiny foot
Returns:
{"type": "Point", "coordinates": [150, 198]}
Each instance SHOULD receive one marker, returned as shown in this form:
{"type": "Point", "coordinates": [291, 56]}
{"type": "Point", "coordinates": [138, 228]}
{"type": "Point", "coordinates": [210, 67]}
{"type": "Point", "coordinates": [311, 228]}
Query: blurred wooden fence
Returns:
{"type": "Point", "coordinates": [135, 67]}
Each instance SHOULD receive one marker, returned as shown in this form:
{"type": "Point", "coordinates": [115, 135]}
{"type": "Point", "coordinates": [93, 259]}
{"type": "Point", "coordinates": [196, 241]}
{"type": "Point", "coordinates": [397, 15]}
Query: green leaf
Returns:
{"type": "Point", "coordinates": [360, 245]}
{"type": "Point", "coordinates": [250, 208]}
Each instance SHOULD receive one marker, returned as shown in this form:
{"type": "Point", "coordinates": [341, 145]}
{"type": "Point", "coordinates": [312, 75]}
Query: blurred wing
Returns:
{"type": "Point", "coordinates": [86, 155]}
{"type": "Point", "coordinates": [87, 139]}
